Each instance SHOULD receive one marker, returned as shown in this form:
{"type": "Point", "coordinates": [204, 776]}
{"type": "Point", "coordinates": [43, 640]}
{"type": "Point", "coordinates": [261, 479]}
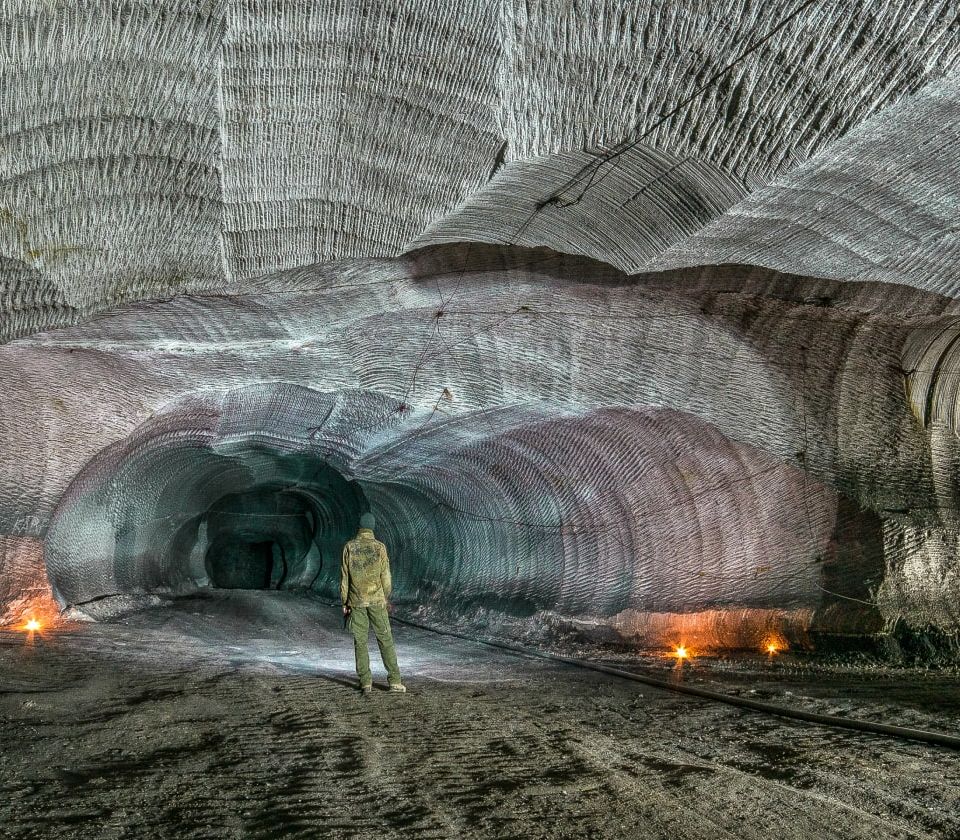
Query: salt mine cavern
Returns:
{"type": "Point", "coordinates": [592, 367]}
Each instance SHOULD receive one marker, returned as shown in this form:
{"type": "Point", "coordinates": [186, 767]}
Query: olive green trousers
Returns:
{"type": "Point", "coordinates": [361, 618]}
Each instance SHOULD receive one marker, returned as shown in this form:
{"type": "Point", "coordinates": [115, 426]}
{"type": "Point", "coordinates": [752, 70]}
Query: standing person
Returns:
{"type": "Point", "coordinates": [365, 587]}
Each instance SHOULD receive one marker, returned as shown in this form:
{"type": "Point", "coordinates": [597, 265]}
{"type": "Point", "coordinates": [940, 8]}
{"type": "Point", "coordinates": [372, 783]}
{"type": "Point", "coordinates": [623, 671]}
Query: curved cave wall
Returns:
{"type": "Point", "coordinates": [635, 322]}
{"type": "Point", "coordinates": [598, 517]}
{"type": "Point", "coordinates": [578, 449]}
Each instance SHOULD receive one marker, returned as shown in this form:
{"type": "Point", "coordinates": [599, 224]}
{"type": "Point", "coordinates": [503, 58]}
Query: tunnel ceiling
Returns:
{"type": "Point", "coordinates": [632, 315]}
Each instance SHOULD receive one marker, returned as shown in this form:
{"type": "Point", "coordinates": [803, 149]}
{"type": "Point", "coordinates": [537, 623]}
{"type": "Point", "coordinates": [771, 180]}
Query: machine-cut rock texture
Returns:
{"type": "Point", "coordinates": [620, 317]}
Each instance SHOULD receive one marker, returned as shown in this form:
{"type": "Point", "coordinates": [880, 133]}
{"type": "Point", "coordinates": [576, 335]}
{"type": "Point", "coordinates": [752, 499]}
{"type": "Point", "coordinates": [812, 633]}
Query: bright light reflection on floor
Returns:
{"type": "Point", "coordinates": [281, 632]}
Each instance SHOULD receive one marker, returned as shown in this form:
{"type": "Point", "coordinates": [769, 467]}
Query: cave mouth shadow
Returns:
{"type": "Point", "coordinates": [241, 564]}
{"type": "Point", "coordinates": [284, 533]}
{"type": "Point", "coordinates": [249, 517]}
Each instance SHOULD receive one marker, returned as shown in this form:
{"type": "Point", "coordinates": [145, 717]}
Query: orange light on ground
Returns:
{"type": "Point", "coordinates": [35, 615]}
{"type": "Point", "coordinates": [774, 645]}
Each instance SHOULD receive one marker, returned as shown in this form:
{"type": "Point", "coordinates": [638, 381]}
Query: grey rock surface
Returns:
{"type": "Point", "coordinates": [154, 149]}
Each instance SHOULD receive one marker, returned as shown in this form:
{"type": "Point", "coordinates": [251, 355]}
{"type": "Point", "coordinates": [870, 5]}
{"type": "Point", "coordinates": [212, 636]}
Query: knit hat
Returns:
{"type": "Point", "coordinates": [368, 520]}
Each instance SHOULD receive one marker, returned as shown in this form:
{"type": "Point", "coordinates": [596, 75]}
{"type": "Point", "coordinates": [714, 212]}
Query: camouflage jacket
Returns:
{"type": "Point", "coordinates": [365, 571]}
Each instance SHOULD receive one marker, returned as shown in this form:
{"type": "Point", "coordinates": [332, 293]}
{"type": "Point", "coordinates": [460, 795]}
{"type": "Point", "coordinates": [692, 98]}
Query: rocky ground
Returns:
{"type": "Point", "coordinates": [235, 716]}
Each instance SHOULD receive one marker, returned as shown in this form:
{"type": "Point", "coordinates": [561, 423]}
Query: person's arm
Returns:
{"type": "Point", "coordinates": [344, 578]}
{"type": "Point", "coordinates": [385, 580]}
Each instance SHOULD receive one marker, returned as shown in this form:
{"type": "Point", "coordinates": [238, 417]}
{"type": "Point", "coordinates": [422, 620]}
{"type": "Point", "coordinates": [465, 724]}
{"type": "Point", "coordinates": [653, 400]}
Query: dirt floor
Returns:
{"type": "Point", "coordinates": [235, 716]}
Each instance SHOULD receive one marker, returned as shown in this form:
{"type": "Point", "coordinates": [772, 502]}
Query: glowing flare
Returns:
{"type": "Point", "coordinates": [774, 645]}
{"type": "Point", "coordinates": [32, 624]}
{"type": "Point", "coordinates": [682, 652]}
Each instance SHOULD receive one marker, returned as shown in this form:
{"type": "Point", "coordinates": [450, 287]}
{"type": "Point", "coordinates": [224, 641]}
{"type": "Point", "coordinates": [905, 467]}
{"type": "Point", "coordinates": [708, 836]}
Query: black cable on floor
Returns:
{"type": "Point", "coordinates": [940, 739]}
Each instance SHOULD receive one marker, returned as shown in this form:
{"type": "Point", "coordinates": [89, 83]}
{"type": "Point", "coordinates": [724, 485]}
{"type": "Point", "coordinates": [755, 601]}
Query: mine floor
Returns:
{"type": "Point", "coordinates": [235, 716]}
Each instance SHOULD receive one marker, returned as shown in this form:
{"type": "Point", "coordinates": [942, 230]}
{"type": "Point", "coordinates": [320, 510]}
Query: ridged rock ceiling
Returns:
{"type": "Point", "coordinates": [158, 148]}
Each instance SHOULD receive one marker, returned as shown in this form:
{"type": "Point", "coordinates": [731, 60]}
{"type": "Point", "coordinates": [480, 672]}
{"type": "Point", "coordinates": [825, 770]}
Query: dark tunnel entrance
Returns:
{"type": "Point", "coordinates": [178, 518]}
{"type": "Point", "coordinates": [258, 537]}
{"type": "Point", "coordinates": [245, 565]}
{"type": "Point", "coordinates": [282, 533]}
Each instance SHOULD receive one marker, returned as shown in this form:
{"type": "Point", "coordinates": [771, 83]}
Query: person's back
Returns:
{"type": "Point", "coordinates": [365, 587]}
{"type": "Point", "coordinates": [368, 570]}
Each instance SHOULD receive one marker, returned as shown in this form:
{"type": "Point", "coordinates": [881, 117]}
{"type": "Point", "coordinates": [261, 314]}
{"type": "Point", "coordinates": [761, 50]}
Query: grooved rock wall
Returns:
{"type": "Point", "coordinates": [881, 204]}
{"type": "Point", "coordinates": [538, 434]}
{"type": "Point", "coordinates": [24, 587]}
{"type": "Point", "coordinates": [593, 72]}
{"type": "Point", "coordinates": [110, 155]}
{"type": "Point", "coordinates": [348, 127]}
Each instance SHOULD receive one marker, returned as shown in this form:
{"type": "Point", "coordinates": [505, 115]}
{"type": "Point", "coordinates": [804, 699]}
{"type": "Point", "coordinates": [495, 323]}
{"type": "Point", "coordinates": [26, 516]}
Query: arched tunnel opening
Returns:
{"type": "Point", "coordinates": [275, 536]}
{"type": "Point", "coordinates": [250, 515]}
{"type": "Point", "coordinates": [634, 527]}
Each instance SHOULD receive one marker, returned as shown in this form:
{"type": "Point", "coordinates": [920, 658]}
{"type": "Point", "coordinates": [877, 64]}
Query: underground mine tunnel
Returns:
{"type": "Point", "coordinates": [620, 340]}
